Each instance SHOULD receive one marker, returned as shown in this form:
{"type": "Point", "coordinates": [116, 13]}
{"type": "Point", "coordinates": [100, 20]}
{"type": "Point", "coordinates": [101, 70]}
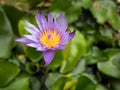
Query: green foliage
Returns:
{"type": "Point", "coordinates": [35, 83]}
{"type": "Point", "coordinates": [20, 83]}
{"type": "Point", "coordinates": [32, 54]}
{"type": "Point", "coordinates": [8, 72]}
{"type": "Point", "coordinates": [91, 61]}
{"type": "Point", "coordinates": [72, 54]}
{"type": "Point", "coordinates": [80, 67]}
{"type": "Point", "coordinates": [100, 87]}
{"type": "Point", "coordinates": [6, 35]}
{"type": "Point", "coordinates": [14, 17]}
{"type": "Point", "coordinates": [85, 83]}
{"type": "Point", "coordinates": [103, 13]}
{"type": "Point", "coordinates": [59, 84]}
{"type": "Point", "coordinates": [31, 68]}
{"type": "Point", "coordinates": [50, 80]}
{"type": "Point", "coordinates": [115, 84]}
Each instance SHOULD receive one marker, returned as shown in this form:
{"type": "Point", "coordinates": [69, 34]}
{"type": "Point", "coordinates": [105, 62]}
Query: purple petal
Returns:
{"type": "Point", "coordinates": [48, 56]}
{"type": "Point", "coordinates": [40, 48]}
{"type": "Point", "coordinates": [61, 47]}
{"type": "Point", "coordinates": [35, 45]}
{"type": "Point", "coordinates": [41, 21]}
{"type": "Point", "coordinates": [56, 25]}
{"type": "Point", "coordinates": [31, 26]}
{"type": "Point", "coordinates": [67, 37]}
{"type": "Point", "coordinates": [62, 23]}
{"type": "Point", "coordinates": [23, 40]}
{"type": "Point", "coordinates": [64, 38]}
{"type": "Point", "coordinates": [31, 37]}
{"type": "Point", "coordinates": [31, 31]}
{"type": "Point", "coordinates": [50, 20]}
{"type": "Point", "coordinates": [71, 35]}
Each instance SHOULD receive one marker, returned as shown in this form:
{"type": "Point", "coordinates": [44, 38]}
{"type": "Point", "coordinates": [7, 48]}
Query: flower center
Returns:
{"type": "Point", "coordinates": [49, 38]}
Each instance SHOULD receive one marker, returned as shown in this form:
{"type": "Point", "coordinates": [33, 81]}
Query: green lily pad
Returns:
{"type": "Point", "coordinates": [112, 52]}
{"type": "Point", "coordinates": [20, 83]}
{"type": "Point", "coordinates": [14, 17]}
{"type": "Point", "coordinates": [95, 55]}
{"type": "Point", "coordinates": [52, 77]}
{"type": "Point", "coordinates": [103, 13]}
{"type": "Point", "coordinates": [60, 83]}
{"type": "Point", "coordinates": [72, 9]}
{"type": "Point", "coordinates": [85, 83]}
{"type": "Point", "coordinates": [80, 67]}
{"type": "Point", "coordinates": [32, 54]}
{"type": "Point", "coordinates": [86, 3]}
{"type": "Point", "coordinates": [115, 83]}
{"type": "Point", "coordinates": [100, 87]}
{"type": "Point", "coordinates": [8, 71]}
{"type": "Point", "coordinates": [70, 85]}
{"type": "Point", "coordinates": [76, 49]}
{"type": "Point", "coordinates": [6, 35]}
{"type": "Point", "coordinates": [35, 83]}
{"type": "Point", "coordinates": [109, 69]}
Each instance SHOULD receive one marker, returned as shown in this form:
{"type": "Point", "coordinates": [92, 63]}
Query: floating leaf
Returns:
{"type": "Point", "coordinates": [115, 84]}
{"type": "Point", "coordinates": [85, 83]}
{"type": "Point", "coordinates": [95, 55]}
{"type": "Point", "coordinates": [60, 83]}
{"type": "Point", "coordinates": [109, 69]}
{"type": "Point", "coordinates": [8, 71]}
{"type": "Point", "coordinates": [6, 35]}
{"type": "Point", "coordinates": [72, 9]}
{"type": "Point", "coordinates": [35, 83]}
{"type": "Point", "coordinates": [32, 54]}
{"type": "Point", "coordinates": [70, 85]}
{"type": "Point", "coordinates": [86, 3]}
{"type": "Point", "coordinates": [103, 13]}
{"type": "Point", "coordinates": [100, 87]}
{"type": "Point", "coordinates": [50, 78]}
{"type": "Point", "coordinates": [20, 83]}
{"type": "Point", "coordinates": [71, 55]}
{"type": "Point", "coordinates": [14, 17]}
{"type": "Point", "coordinates": [80, 67]}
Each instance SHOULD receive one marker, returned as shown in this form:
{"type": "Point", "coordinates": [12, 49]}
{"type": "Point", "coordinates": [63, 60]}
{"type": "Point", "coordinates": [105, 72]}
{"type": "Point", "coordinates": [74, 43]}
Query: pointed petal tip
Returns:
{"type": "Point", "coordinates": [25, 40]}
{"type": "Point", "coordinates": [26, 22]}
{"type": "Point", "coordinates": [20, 40]}
{"type": "Point", "coordinates": [49, 13]}
{"type": "Point", "coordinates": [72, 34]}
{"type": "Point", "coordinates": [48, 57]}
{"type": "Point", "coordinates": [61, 13]}
{"type": "Point", "coordinates": [39, 15]}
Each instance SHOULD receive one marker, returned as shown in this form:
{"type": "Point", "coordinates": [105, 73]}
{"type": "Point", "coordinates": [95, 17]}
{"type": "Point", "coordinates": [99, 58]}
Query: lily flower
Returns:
{"type": "Point", "coordinates": [50, 35]}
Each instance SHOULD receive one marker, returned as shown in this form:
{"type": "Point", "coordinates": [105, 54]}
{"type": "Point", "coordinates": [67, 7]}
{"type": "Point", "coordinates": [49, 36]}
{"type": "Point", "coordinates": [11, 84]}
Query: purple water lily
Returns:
{"type": "Point", "coordinates": [51, 35]}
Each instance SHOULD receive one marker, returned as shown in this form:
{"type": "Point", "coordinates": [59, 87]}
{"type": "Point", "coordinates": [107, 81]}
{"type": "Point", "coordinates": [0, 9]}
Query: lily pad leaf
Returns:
{"type": "Point", "coordinates": [20, 83]}
{"type": "Point", "coordinates": [8, 72]}
{"type": "Point", "coordinates": [109, 69]}
{"type": "Point", "coordinates": [85, 83]}
{"type": "Point", "coordinates": [6, 35]}
{"type": "Point", "coordinates": [76, 49]}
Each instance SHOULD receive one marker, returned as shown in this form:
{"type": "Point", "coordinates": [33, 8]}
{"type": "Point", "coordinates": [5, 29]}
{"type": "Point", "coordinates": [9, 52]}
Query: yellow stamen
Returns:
{"type": "Point", "coordinates": [50, 38]}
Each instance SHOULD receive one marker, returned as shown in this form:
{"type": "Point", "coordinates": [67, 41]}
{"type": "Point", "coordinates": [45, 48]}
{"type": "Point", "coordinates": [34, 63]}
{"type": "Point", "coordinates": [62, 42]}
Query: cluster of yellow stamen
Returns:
{"type": "Point", "coordinates": [50, 38]}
